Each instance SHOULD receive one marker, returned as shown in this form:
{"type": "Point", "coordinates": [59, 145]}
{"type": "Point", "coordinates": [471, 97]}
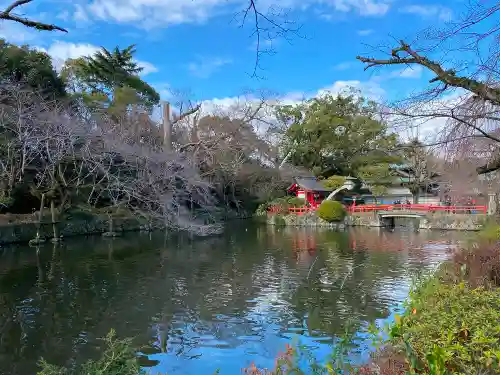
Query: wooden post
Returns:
{"type": "Point", "coordinates": [54, 224]}
{"type": "Point", "coordinates": [42, 203]}
{"type": "Point", "coordinates": [110, 223]}
{"type": "Point", "coordinates": [167, 127]}
{"type": "Point", "coordinates": [38, 240]}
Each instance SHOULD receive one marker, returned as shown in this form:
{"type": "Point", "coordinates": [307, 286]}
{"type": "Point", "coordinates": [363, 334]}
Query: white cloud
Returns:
{"type": "Point", "coordinates": [64, 15]}
{"type": "Point", "coordinates": [363, 7]}
{"type": "Point", "coordinates": [155, 13]}
{"type": "Point", "coordinates": [80, 14]}
{"type": "Point", "coordinates": [365, 32]}
{"type": "Point", "coordinates": [61, 51]}
{"type": "Point", "coordinates": [147, 67]}
{"type": "Point", "coordinates": [206, 66]}
{"type": "Point", "coordinates": [370, 89]}
{"type": "Point", "coordinates": [16, 33]}
{"type": "Point", "coordinates": [343, 66]}
{"type": "Point", "coordinates": [427, 11]}
{"type": "Point", "coordinates": [238, 105]}
{"type": "Point", "coordinates": [149, 14]}
{"type": "Point", "coordinates": [427, 124]}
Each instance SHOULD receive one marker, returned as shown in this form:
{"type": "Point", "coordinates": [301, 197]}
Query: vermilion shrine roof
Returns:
{"type": "Point", "coordinates": [308, 183]}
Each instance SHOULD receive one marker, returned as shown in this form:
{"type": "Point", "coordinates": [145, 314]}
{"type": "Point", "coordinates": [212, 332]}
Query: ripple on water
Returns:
{"type": "Point", "coordinates": [200, 305]}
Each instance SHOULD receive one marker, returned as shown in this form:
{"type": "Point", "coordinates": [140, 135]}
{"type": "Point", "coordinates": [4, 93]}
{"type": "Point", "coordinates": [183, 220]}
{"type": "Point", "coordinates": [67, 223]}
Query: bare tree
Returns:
{"type": "Point", "coordinates": [268, 26]}
{"type": "Point", "coordinates": [8, 15]}
{"type": "Point", "coordinates": [462, 95]}
{"type": "Point", "coordinates": [230, 147]}
{"type": "Point", "coordinates": [73, 161]}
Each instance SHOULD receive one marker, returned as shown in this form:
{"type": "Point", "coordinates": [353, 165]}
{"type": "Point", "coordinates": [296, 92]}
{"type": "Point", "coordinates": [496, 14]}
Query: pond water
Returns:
{"type": "Point", "coordinates": [197, 305]}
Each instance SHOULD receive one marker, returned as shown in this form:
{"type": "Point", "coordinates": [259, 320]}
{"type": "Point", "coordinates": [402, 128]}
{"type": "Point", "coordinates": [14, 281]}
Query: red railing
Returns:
{"type": "Point", "coordinates": [292, 210]}
{"type": "Point", "coordinates": [471, 210]}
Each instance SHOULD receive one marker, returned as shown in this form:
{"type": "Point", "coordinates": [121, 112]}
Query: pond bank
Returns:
{"type": "Point", "coordinates": [450, 325]}
{"type": "Point", "coordinates": [434, 221]}
{"type": "Point", "coordinates": [18, 229]}
{"type": "Point", "coordinates": [24, 231]}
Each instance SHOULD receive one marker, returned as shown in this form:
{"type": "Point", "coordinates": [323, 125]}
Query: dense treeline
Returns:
{"type": "Point", "coordinates": [83, 138]}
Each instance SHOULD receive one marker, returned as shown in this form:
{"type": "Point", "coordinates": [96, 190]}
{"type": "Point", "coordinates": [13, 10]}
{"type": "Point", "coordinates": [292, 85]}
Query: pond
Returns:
{"type": "Point", "coordinates": [197, 305]}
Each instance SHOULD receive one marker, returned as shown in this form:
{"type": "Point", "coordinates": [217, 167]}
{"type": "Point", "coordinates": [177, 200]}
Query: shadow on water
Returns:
{"type": "Point", "coordinates": [194, 305]}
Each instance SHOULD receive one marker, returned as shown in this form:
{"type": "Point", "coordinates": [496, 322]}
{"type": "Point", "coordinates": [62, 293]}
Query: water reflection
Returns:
{"type": "Point", "coordinates": [195, 305]}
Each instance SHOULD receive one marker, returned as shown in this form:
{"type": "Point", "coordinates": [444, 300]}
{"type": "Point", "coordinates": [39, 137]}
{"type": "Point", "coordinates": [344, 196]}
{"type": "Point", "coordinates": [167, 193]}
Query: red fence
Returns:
{"type": "Point", "coordinates": [471, 210]}
{"type": "Point", "coordinates": [292, 210]}
{"type": "Point", "coordinates": [420, 208]}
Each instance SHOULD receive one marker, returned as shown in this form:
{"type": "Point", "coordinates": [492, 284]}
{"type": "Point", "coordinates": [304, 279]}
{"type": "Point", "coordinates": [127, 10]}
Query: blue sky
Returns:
{"type": "Point", "coordinates": [198, 46]}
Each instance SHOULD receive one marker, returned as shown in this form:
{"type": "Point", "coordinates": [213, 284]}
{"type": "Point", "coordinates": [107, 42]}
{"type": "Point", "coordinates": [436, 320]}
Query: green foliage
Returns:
{"type": "Point", "coordinates": [490, 232]}
{"type": "Point", "coordinates": [450, 328]}
{"type": "Point", "coordinates": [278, 220]}
{"type": "Point", "coordinates": [335, 134]}
{"type": "Point", "coordinates": [31, 67]}
{"type": "Point", "coordinates": [282, 203]}
{"type": "Point", "coordinates": [109, 79]}
{"type": "Point", "coordinates": [378, 177]}
{"type": "Point", "coordinates": [118, 358]}
{"type": "Point", "coordinates": [333, 182]}
{"type": "Point", "coordinates": [331, 211]}
{"type": "Point", "coordinates": [296, 202]}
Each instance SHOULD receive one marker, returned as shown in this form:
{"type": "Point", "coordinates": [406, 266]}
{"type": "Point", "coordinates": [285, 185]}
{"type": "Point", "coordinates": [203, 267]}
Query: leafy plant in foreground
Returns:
{"type": "Point", "coordinates": [450, 329]}
{"type": "Point", "coordinates": [118, 358]}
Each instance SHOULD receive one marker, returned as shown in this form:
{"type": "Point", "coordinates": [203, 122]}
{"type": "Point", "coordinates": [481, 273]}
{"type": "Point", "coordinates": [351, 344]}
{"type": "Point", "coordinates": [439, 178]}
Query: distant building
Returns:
{"type": "Point", "coordinates": [309, 189]}
{"type": "Point", "coordinates": [400, 191]}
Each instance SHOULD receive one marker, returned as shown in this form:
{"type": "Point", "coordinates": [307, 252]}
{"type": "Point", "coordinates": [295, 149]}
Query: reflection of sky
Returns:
{"type": "Point", "coordinates": [268, 322]}
{"type": "Point", "coordinates": [209, 303]}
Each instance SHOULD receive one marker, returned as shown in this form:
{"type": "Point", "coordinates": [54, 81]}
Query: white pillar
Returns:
{"type": "Point", "coordinates": [492, 204]}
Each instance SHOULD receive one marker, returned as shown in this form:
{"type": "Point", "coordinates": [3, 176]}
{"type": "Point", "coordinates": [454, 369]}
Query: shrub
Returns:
{"type": "Point", "coordinates": [333, 182]}
{"type": "Point", "coordinates": [296, 202]}
{"type": "Point", "coordinates": [331, 211]}
{"type": "Point", "coordinates": [451, 328]}
{"type": "Point", "coordinates": [490, 232]}
{"type": "Point", "coordinates": [278, 220]}
{"type": "Point", "coordinates": [478, 266]}
{"type": "Point", "coordinates": [282, 203]}
{"type": "Point", "coordinates": [261, 209]}
{"type": "Point", "coordinates": [118, 358]}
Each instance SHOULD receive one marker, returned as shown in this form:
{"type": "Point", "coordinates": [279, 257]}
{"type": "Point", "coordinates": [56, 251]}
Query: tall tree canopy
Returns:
{"type": "Point", "coordinates": [335, 134]}
{"type": "Point", "coordinates": [110, 78]}
{"type": "Point", "coordinates": [31, 67]}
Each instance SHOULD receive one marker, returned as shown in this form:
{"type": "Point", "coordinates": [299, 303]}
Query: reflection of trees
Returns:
{"type": "Point", "coordinates": [183, 293]}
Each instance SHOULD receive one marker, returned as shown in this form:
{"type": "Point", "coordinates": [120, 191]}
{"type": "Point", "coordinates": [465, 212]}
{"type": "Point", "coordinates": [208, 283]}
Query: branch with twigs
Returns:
{"type": "Point", "coordinates": [8, 16]}
{"type": "Point", "coordinates": [267, 26]}
{"type": "Point", "coordinates": [405, 55]}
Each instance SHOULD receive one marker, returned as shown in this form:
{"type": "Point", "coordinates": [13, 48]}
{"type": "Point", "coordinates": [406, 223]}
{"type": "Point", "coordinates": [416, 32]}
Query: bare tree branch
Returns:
{"type": "Point", "coordinates": [448, 77]}
{"type": "Point", "coordinates": [268, 26]}
{"type": "Point", "coordinates": [7, 15]}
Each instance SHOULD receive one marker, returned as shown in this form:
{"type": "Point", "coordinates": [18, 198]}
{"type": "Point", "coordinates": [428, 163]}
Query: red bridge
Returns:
{"type": "Point", "coordinates": [469, 210]}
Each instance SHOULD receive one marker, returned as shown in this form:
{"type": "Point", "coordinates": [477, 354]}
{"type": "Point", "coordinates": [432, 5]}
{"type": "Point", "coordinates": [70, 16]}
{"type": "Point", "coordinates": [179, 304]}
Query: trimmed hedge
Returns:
{"type": "Point", "coordinates": [331, 211]}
